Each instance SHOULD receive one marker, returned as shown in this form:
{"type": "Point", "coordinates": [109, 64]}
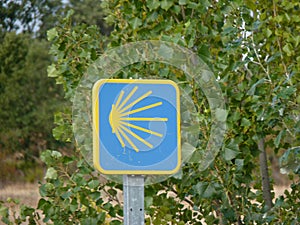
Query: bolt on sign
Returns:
{"type": "Point", "coordinates": [136, 126]}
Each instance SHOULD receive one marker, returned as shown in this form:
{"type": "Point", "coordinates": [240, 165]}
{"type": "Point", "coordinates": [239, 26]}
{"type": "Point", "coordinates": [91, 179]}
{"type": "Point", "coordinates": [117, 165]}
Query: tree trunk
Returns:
{"type": "Point", "coordinates": [264, 174]}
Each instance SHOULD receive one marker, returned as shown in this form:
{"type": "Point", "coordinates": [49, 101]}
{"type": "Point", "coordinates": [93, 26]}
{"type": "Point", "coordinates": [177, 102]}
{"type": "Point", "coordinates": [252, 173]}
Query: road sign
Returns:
{"type": "Point", "coordinates": [136, 126]}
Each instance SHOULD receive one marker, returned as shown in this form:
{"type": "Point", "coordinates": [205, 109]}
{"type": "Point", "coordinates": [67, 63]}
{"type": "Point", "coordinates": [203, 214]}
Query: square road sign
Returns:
{"type": "Point", "coordinates": [136, 126]}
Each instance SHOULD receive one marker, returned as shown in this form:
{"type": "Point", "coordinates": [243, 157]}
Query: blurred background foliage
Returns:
{"type": "Point", "coordinates": [253, 49]}
{"type": "Point", "coordinates": [28, 98]}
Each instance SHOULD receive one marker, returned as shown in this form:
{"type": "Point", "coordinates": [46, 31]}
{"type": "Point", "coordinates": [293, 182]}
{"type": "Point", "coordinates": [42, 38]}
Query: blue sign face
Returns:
{"type": "Point", "coordinates": [136, 126]}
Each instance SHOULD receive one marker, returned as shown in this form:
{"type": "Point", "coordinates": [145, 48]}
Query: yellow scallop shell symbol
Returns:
{"type": "Point", "coordinates": [119, 119]}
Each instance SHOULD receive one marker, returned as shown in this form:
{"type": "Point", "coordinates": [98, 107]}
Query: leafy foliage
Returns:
{"type": "Point", "coordinates": [28, 99]}
{"type": "Point", "coordinates": [290, 161]}
{"type": "Point", "coordinates": [30, 16]}
{"type": "Point", "coordinates": [252, 48]}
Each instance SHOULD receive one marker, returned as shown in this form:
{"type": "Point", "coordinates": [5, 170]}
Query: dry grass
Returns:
{"type": "Point", "coordinates": [26, 193]}
{"type": "Point", "coordinates": [279, 190]}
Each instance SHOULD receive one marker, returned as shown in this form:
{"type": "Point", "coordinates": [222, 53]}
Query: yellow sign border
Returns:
{"type": "Point", "coordinates": [96, 148]}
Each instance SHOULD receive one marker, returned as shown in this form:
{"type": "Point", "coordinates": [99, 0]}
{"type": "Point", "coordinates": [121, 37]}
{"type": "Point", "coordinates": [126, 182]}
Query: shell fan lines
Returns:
{"type": "Point", "coordinates": [121, 123]}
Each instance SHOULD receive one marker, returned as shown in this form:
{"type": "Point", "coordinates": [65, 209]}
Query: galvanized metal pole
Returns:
{"type": "Point", "coordinates": [133, 192]}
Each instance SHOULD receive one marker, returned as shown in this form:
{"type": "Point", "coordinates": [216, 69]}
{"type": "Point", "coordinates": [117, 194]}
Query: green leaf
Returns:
{"type": "Point", "coordinates": [279, 137]}
{"type": "Point", "coordinates": [204, 52]}
{"type": "Point", "coordinates": [115, 222]}
{"type": "Point", "coordinates": [230, 154]}
{"type": "Point", "coordinates": [96, 196]}
{"type": "Point", "coordinates": [290, 161]}
{"type": "Point", "coordinates": [45, 189]}
{"type": "Point", "coordinates": [204, 189]}
{"type": "Point", "coordinates": [3, 211]}
{"type": "Point", "coordinates": [148, 201]}
{"type": "Point", "coordinates": [94, 184]}
{"type": "Point", "coordinates": [51, 173]}
{"type": "Point", "coordinates": [51, 34]}
{"type": "Point", "coordinates": [52, 72]}
{"type": "Point", "coordinates": [89, 221]}
{"type": "Point", "coordinates": [193, 5]}
{"type": "Point", "coordinates": [56, 154]}
{"type": "Point", "coordinates": [245, 122]}
{"type": "Point", "coordinates": [73, 205]}
{"type": "Point", "coordinates": [67, 160]}
{"type": "Point", "coordinates": [112, 192]}
{"type": "Point", "coordinates": [231, 150]}
{"type": "Point", "coordinates": [239, 164]}
{"type": "Point", "coordinates": [26, 211]}
{"type": "Point", "coordinates": [183, 2]}
{"type": "Point", "coordinates": [166, 4]}
{"type": "Point", "coordinates": [253, 87]}
{"type": "Point", "coordinates": [152, 5]}
{"type": "Point", "coordinates": [286, 92]}
{"type": "Point", "coordinates": [235, 116]}
{"type": "Point", "coordinates": [273, 57]}
{"type": "Point", "coordinates": [269, 32]}
{"type": "Point", "coordinates": [50, 157]}
{"type": "Point", "coordinates": [287, 48]}
{"type": "Point", "coordinates": [101, 217]}
{"type": "Point", "coordinates": [229, 30]}
{"type": "Point", "coordinates": [70, 13]}
{"type": "Point", "coordinates": [298, 99]}
{"type": "Point", "coordinates": [42, 204]}
{"type": "Point", "coordinates": [135, 22]}
{"type": "Point", "coordinates": [6, 220]}
{"type": "Point", "coordinates": [250, 4]}
{"type": "Point", "coordinates": [66, 195]}
{"type": "Point", "coordinates": [229, 213]}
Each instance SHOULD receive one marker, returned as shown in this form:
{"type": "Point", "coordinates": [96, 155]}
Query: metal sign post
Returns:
{"type": "Point", "coordinates": [133, 192]}
{"type": "Point", "coordinates": [136, 133]}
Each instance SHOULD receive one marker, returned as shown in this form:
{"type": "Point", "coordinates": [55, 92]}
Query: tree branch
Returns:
{"type": "Point", "coordinates": [264, 174]}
